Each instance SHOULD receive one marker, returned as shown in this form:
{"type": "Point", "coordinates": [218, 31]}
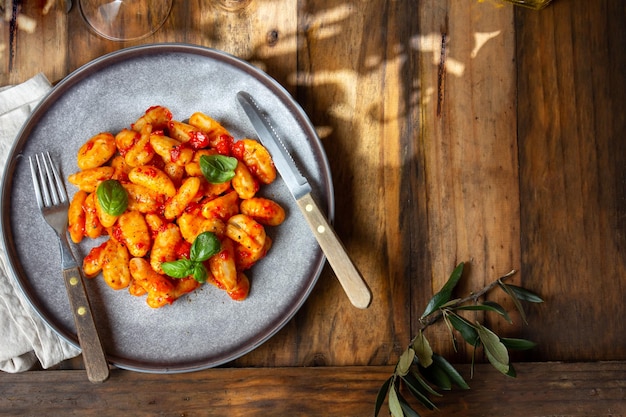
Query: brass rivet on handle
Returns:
{"type": "Point", "coordinates": [73, 281]}
{"type": "Point", "coordinates": [81, 311]}
{"type": "Point", "coordinates": [309, 207]}
{"type": "Point", "coordinates": [321, 229]}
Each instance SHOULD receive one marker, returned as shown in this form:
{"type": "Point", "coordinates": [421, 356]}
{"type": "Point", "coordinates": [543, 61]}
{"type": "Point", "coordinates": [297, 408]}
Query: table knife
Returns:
{"type": "Point", "coordinates": [351, 280]}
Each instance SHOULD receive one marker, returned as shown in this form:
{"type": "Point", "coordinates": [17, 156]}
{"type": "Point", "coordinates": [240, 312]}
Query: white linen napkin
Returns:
{"type": "Point", "coordinates": [25, 337]}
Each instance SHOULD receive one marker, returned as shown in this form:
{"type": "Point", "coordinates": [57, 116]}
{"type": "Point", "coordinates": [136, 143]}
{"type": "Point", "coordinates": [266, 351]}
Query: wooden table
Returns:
{"type": "Point", "coordinates": [456, 131]}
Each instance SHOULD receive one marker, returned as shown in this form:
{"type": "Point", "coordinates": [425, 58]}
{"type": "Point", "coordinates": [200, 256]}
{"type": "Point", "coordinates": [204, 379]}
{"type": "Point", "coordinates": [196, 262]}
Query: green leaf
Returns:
{"type": "Point", "coordinates": [487, 306]}
{"type": "Point", "coordinates": [181, 268]}
{"type": "Point", "coordinates": [507, 289]}
{"type": "Point", "coordinates": [467, 329]}
{"type": "Point", "coordinates": [418, 382]}
{"type": "Point", "coordinates": [218, 169]}
{"type": "Point", "coordinates": [517, 344]}
{"type": "Point", "coordinates": [416, 390]}
{"type": "Point", "coordinates": [405, 361]}
{"type": "Point", "coordinates": [512, 372]}
{"type": "Point", "coordinates": [204, 246]}
{"type": "Point", "coordinates": [496, 352]}
{"type": "Point", "coordinates": [423, 351]}
{"type": "Point", "coordinates": [437, 376]}
{"type": "Point", "coordinates": [394, 403]}
{"type": "Point", "coordinates": [382, 394]}
{"type": "Point", "coordinates": [112, 197]}
{"type": "Point", "coordinates": [200, 273]}
{"type": "Point", "coordinates": [454, 375]}
{"type": "Point", "coordinates": [444, 295]}
{"type": "Point", "coordinates": [524, 294]}
{"type": "Point", "coordinates": [406, 408]}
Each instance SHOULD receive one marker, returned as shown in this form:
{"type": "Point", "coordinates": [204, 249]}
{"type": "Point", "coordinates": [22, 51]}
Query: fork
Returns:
{"type": "Point", "coordinates": [53, 203]}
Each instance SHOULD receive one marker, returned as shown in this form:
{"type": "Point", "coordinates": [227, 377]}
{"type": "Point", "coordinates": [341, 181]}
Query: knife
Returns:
{"type": "Point", "coordinates": [351, 280]}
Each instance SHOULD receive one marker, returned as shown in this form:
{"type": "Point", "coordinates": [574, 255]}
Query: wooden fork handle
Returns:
{"type": "Point", "coordinates": [93, 353]}
{"type": "Point", "coordinates": [349, 277]}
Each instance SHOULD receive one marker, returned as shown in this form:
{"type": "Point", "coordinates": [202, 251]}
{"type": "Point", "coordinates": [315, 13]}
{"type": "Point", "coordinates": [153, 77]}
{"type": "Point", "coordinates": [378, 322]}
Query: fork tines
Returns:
{"type": "Point", "coordinates": [49, 189]}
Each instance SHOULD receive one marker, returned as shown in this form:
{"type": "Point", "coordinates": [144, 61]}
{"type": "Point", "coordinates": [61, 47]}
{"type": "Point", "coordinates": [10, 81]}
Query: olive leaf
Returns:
{"type": "Point", "coordinates": [423, 351]}
{"type": "Point", "coordinates": [524, 294]}
{"type": "Point", "coordinates": [517, 344]}
{"type": "Point", "coordinates": [415, 388]}
{"type": "Point", "coordinates": [444, 295]}
{"type": "Point", "coordinates": [495, 350]}
{"type": "Point", "coordinates": [394, 403]}
{"type": "Point", "coordinates": [406, 408]}
{"type": "Point", "coordinates": [382, 394]}
{"type": "Point", "coordinates": [405, 361]}
{"type": "Point", "coordinates": [487, 306]}
{"type": "Point", "coordinates": [452, 373]}
{"type": "Point", "coordinates": [463, 326]}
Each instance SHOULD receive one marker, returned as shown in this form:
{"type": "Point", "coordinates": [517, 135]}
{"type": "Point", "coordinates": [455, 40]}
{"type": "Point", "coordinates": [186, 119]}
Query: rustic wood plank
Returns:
{"type": "Point", "coordinates": [467, 154]}
{"type": "Point", "coordinates": [572, 157]}
{"type": "Point", "coordinates": [542, 389]}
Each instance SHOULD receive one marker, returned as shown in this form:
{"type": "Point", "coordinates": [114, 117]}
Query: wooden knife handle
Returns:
{"type": "Point", "coordinates": [351, 280]}
{"type": "Point", "coordinates": [93, 353]}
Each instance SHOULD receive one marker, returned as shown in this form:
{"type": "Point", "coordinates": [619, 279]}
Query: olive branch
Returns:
{"type": "Point", "coordinates": [422, 372]}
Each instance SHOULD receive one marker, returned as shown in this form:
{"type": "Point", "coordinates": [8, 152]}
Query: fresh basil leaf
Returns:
{"type": "Point", "coordinates": [181, 268]}
{"type": "Point", "coordinates": [517, 344]}
{"type": "Point", "coordinates": [447, 367]}
{"type": "Point", "coordinates": [218, 169]}
{"type": "Point", "coordinates": [112, 197]}
{"type": "Point", "coordinates": [205, 245]}
{"type": "Point", "coordinates": [444, 295]}
{"type": "Point", "coordinates": [496, 352]}
{"type": "Point", "coordinates": [467, 329]}
{"type": "Point", "coordinates": [423, 351]}
{"type": "Point", "coordinates": [200, 273]}
{"type": "Point", "coordinates": [382, 394]}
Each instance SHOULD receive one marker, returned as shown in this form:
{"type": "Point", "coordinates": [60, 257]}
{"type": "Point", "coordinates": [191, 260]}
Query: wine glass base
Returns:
{"type": "Point", "coordinates": [125, 20]}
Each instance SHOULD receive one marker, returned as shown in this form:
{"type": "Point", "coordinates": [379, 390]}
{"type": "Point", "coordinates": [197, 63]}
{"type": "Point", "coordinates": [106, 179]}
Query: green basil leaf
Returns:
{"type": "Point", "coordinates": [204, 246]}
{"type": "Point", "coordinates": [444, 295]}
{"type": "Point", "coordinates": [423, 351]}
{"type": "Point", "coordinates": [112, 197]}
{"type": "Point", "coordinates": [467, 329]}
{"type": "Point", "coordinates": [200, 273]}
{"type": "Point", "coordinates": [181, 268]}
{"type": "Point", "coordinates": [496, 352]}
{"type": "Point", "coordinates": [382, 394]}
{"type": "Point", "coordinates": [447, 367]}
{"type": "Point", "coordinates": [517, 344]}
{"type": "Point", "coordinates": [218, 169]}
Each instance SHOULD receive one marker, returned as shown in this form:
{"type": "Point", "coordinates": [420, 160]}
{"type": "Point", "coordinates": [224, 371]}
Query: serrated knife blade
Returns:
{"type": "Point", "coordinates": [351, 280]}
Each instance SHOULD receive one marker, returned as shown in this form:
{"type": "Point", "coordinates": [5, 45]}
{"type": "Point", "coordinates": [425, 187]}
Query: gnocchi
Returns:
{"type": "Point", "coordinates": [157, 161]}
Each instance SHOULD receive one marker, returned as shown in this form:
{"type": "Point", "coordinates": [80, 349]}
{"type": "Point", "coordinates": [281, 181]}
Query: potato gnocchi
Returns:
{"type": "Point", "coordinates": [157, 161]}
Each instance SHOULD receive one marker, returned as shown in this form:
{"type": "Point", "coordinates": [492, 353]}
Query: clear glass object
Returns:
{"type": "Point", "coordinates": [125, 20]}
{"type": "Point", "coordinates": [533, 4]}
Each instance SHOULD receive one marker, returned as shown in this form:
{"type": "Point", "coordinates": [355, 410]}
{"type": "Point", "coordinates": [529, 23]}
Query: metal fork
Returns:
{"type": "Point", "coordinates": [53, 203]}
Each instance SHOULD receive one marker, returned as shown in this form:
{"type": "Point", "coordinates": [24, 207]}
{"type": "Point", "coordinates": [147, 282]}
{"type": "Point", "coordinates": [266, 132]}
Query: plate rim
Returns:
{"type": "Point", "coordinates": [7, 242]}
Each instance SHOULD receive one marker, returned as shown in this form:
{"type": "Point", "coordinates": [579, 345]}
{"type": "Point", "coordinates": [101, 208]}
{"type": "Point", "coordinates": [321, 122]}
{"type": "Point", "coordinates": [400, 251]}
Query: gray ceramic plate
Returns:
{"type": "Point", "coordinates": [205, 328]}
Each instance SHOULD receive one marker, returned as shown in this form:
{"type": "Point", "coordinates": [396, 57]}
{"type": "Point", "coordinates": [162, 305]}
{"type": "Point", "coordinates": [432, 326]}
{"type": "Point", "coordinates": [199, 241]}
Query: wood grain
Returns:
{"type": "Point", "coordinates": [572, 156]}
{"type": "Point", "coordinates": [573, 389]}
